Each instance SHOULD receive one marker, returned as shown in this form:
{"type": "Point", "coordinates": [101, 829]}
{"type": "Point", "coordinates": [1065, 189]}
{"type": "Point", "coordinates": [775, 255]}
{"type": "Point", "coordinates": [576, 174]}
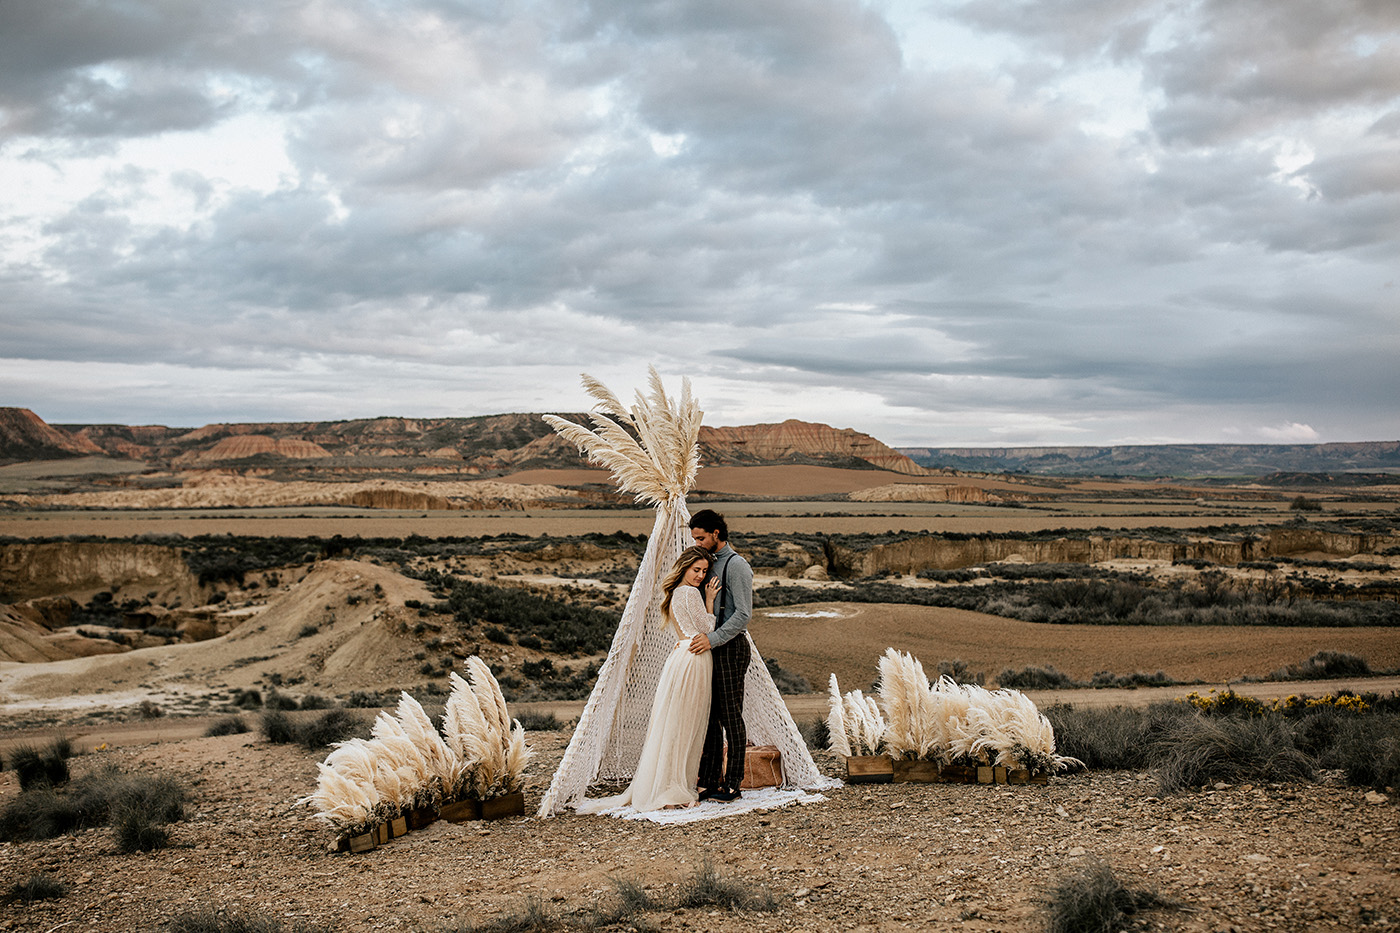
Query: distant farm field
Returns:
{"type": "Point", "coordinates": [817, 639]}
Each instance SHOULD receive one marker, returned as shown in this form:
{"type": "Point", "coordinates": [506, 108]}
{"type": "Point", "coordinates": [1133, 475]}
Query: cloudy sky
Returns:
{"type": "Point", "coordinates": [990, 222]}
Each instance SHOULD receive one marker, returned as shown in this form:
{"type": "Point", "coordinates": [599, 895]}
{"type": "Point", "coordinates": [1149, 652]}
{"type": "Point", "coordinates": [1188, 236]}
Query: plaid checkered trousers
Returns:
{"type": "Point", "coordinates": [726, 717]}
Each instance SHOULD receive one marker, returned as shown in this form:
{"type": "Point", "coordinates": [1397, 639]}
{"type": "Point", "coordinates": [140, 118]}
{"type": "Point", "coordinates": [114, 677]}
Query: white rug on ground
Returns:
{"type": "Point", "coordinates": [765, 798]}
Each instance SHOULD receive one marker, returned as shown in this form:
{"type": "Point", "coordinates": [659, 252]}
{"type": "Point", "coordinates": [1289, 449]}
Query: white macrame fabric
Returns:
{"type": "Point", "coordinates": [658, 467]}
{"type": "Point", "coordinates": [765, 798]}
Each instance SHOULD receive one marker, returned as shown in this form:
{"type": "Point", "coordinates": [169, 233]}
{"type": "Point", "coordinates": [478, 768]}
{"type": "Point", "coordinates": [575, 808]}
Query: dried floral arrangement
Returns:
{"type": "Point", "coordinates": [943, 721]}
{"type": "Point", "coordinates": [408, 764]}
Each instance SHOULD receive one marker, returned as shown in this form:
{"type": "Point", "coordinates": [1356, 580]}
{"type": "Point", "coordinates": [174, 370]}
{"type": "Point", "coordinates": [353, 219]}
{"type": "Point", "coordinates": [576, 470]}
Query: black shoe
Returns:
{"type": "Point", "coordinates": [709, 792]}
{"type": "Point", "coordinates": [725, 794]}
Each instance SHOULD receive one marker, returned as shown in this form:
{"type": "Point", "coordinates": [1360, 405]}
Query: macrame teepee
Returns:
{"type": "Point", "coordinates": [653, 452]}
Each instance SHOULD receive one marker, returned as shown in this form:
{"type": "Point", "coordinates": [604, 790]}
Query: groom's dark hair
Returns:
{"type": "Point", "coordinates": [711, 521]}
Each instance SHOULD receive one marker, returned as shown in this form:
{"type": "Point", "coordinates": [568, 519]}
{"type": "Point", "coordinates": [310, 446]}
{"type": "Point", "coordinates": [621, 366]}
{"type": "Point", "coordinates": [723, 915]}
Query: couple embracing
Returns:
{"type": "Point", "coordinates": [707, 601]}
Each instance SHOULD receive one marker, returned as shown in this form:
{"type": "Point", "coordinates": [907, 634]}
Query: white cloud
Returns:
{"type": "Point", "coordinates": [981, 222]}
{"type": "Point", "coordinates": [1290, 433]}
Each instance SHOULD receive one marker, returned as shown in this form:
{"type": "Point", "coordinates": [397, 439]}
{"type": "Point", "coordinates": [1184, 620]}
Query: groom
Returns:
{"type": "Point", "coordinates": [730, 644]}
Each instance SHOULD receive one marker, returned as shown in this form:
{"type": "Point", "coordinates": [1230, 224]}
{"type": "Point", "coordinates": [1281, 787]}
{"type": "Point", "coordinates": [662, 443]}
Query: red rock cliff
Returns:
{"type": "Point", "coordinates": [799, 442]}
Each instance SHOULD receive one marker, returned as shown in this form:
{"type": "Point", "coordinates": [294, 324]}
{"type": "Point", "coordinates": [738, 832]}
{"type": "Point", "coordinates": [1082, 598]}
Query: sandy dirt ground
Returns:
{"type": "Point", "coordinates": [876, 859]}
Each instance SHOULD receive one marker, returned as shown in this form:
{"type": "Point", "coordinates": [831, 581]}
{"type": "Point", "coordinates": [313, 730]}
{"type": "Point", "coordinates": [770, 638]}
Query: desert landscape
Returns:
{"type": "Point", "coordinates": [156, 582]}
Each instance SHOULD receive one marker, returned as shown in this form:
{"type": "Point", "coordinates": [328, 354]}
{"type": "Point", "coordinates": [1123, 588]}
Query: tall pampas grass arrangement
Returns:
{"type": "Point", "coordinates": [836, 721]}
{"type": "Point", "coordinates": [408, 764]}
{"type": "Point", "coordinates": [479, 728]}
{"type": "Point", "coordinates": [865, 724]}
{"type": "Point", "coordinates": [944, 721]}
{"type": "Point", "coordinates": [915, 721]}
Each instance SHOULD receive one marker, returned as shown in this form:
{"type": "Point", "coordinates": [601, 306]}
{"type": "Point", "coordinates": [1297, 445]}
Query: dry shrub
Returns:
{"type": "Point", "coordinates": [1325, 665]}
{"type": "Point", "coordinates": [36, 768]}
{"type": "Point", "coordinates": [706, 888]}
{"type": "Point", "coordinates": [229, 725]}
{"type": "Point", "coordinates": [38, 887]}
{"type": "Point", "coordinates": [816, 734]}
{"type": "Point", "coordinates": [1092, 900]}
{"type": "Point", "coordinates": [540, 722]}
{"type": "Point", "coordinates": [334, 725]}
{"type": "Point", "coordinates": [1034, 678]}
{"type": "Point", "coordinates": [92, 800]}
{"type": "Point", "coordinates": [1207, 750]}
{"type": "Point", "coordinates": [138, 831]}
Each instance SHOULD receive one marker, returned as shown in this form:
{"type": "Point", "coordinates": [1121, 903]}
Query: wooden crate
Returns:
{"type": "Point", "coordinates": [915, 771]}
{"type": "Point", "coordinates": [461, 811]}
{"type": "Point", "coordinates": [869, 769]}
{"type": "Point", "coordinates": [361, 843]}
{"type": "Point", "coordinates": [381, 833]}
{"type": "Point", "coordinates": [421, 817]}
{"type": "Point", "coordinates": [498, 808]}
{"type": "Point", "coordinates": [958, 774]}
{"type": "Point", "coordinates": [398, 826]}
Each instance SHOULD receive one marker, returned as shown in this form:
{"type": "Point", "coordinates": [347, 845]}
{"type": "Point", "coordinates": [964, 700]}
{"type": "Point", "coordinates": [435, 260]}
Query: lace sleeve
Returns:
{"type": "Point", "coordinates": [689, 608]}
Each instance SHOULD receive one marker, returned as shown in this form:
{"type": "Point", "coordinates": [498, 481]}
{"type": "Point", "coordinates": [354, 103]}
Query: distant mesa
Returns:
{"type": "Point", "coordinates": [25, 436]}
{"type": "Point", "coordinates": [924, 492]}
{"type": "Point", "coordinates": [800, 442]}
{"type": "Point", "coordinates": [243, 446]}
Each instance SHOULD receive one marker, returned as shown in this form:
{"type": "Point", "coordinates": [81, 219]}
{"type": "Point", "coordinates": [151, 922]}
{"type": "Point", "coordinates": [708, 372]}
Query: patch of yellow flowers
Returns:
{"type": "Point", "coordinates": [1229, 701]}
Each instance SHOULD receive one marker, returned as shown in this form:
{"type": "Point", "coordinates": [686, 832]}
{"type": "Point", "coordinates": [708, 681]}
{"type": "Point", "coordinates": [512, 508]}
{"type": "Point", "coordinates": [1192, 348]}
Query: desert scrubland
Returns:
{"type": "Point", "coordinates": [130, 628]}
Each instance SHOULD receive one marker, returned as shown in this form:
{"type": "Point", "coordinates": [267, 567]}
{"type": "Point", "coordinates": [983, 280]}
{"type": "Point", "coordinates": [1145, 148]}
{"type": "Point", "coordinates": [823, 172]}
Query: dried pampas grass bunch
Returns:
{"type": "Point", "coordinates": [408, 764]}
{"type": "Point", "coordinates": [855, 723]}
{"type": "Point", "coordinates": [652, 448]}
{"type": "Point", "coordinates": [944, 721]}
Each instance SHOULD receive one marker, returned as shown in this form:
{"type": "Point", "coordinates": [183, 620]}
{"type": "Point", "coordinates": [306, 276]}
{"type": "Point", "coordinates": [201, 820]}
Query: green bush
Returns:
{"type": "Point", "coordinates": [1111, 738]}
{"type": "Point", "coordinates": [1366, 749]}
{"type": "Point", "coordinates": [277, 727]}
{"type": "Point", "coordinates": [278, 700]}
{"type": "Point", "coordinates": [334, 725]}
{"type": "Point", "coordinates": [248, 699]}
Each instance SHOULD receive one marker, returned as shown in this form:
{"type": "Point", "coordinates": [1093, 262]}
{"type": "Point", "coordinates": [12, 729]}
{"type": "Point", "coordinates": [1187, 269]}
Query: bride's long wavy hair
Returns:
{"type": "Point", "coordinates": [688, 559]}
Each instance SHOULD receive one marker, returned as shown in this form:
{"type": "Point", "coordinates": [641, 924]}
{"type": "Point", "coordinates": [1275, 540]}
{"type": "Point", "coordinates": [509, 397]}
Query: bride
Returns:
{"type": "Point", "coordinates": [665, 775]}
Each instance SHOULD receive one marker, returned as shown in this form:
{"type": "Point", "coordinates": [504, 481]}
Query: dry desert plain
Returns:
{"type": "Point", "coordinates": [1313, 856]}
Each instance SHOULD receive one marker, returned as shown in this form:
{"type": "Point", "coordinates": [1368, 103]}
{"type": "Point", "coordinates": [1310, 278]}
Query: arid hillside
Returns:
{"type": "Point", "coordinates": [472, 446]}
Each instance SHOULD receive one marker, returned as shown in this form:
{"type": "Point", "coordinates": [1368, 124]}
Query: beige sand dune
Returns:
{"type": "Point", "coordinates": [360, 642]}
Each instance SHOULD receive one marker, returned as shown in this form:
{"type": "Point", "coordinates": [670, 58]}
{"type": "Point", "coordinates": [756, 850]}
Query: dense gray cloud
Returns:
{"type": "Point", "coordinates": [949, 223]}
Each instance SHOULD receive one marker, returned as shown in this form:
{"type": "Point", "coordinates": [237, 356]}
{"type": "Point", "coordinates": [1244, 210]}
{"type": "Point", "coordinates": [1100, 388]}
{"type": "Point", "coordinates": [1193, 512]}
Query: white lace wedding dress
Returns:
{"type": "Point", "coordinates": [670, 761]}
